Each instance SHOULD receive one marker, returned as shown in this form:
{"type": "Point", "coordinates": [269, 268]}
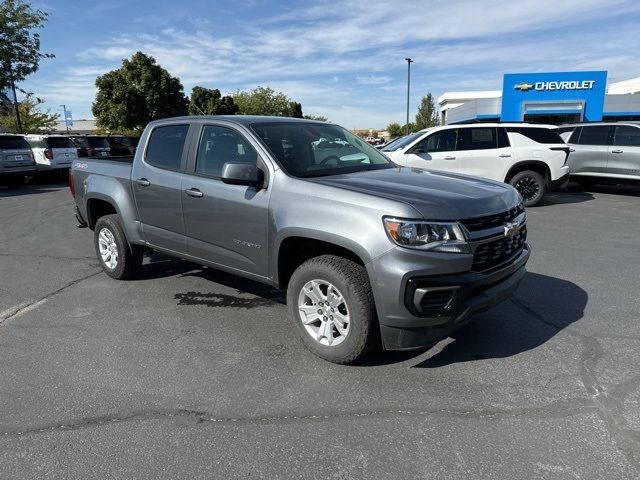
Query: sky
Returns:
{"type": "Point", "coordinates": [341, 59]}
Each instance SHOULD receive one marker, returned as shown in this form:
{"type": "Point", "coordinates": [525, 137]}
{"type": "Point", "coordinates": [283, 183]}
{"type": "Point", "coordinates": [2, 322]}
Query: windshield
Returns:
{"type": "Point", "coordinates": [402, 142]}
{"type": "Point", "coordinates": [313, 150]}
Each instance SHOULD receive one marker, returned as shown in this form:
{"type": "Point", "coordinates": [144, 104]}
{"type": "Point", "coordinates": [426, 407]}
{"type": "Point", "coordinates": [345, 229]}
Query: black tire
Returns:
{"type": "Point", "coordinates": [129, 259]}
{"type": "Point", "coordinates": [530, 185]}
{"type": "Point", "coordinates": [352, 281]}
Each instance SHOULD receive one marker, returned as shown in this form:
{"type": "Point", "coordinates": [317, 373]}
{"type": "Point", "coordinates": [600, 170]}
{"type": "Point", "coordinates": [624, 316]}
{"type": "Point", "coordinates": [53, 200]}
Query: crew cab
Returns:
{"type": "Point", "coordinates": [369, 252]}
{"type": "Point", "coordinates": [532, 158]}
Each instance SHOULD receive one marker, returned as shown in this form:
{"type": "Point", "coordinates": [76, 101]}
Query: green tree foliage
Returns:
{"type": "Point", "coordinates": [395, 130]}
{"type": "Point", "coordinates": [19, 45]}
{"type": "Point", "coordinates": [319, 118]}
{"type": "Point", "coordinates": [266, 101]}
{"type": "Point", "coordinates": [136, 93]}
{"type": "Point", "coordinates": [427, 115]}
{"type": "Point", "coordinates": [32, 118]}
{"type": "Point", "coordinates": [208, 101]}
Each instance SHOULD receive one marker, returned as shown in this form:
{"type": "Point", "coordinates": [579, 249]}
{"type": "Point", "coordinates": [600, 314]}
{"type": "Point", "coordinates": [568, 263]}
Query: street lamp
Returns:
{"type": "Point", "coordinates": [409, 62]}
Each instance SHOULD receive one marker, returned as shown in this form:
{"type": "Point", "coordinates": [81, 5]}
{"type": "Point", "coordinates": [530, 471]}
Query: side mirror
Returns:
{"type": "Point", "coordinates": [236, 173]}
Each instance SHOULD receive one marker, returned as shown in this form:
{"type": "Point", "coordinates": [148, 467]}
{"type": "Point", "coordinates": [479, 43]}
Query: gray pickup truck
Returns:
{"type": "Point", "coordinates": [369, 252]}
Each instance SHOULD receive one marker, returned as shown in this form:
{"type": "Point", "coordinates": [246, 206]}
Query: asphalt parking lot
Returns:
{"type": "Point", "coordinates": [188, 372]}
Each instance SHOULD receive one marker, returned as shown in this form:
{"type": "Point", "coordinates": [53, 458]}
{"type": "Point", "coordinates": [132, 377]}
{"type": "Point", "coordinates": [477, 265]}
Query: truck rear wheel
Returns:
{"type": "Point", "coordinates": [332, 308]}
{"type": "Point", "coordinates": [117, 258]}
{"type": "Point", "coordinates": [530, 185]}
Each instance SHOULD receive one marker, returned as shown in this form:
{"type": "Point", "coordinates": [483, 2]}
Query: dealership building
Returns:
{"type": "Point", "coordinates": [547, 97]}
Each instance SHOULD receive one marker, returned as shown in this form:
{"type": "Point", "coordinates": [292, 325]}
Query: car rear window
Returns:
{"type": "Point", "coordinates": [59, 142]}
{"type": "Point", "coordinates": [80, 142]}
{"type": "Point", "coordinates": [119, 141]}
{"type": "Point", "coordinates": [97, 142]}
{"type": "Point", "coordinates": [538, 135]}
{"type": "Point", "coordinates": [165, 146]}
{"type": "Point", "coordinates": [8, 142]}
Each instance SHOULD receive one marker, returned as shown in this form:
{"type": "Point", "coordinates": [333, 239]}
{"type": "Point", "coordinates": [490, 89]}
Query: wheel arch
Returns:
{"type": "Point", "coordinates": [535, 165]}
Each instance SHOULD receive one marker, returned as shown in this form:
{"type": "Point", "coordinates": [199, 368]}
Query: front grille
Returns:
{"type": "Point", "coordinates": [483, 223]}
{"type": "Point", "coordinates": [492, 254]}
{"type": "Point", "coordinates": [437, 300]}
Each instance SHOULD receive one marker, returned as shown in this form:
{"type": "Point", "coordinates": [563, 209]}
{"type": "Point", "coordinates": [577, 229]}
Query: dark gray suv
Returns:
{"type": "Point", "coordinates": [603, 150]}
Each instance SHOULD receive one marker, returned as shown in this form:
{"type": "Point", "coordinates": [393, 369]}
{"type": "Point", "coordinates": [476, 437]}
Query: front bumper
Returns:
{"type": "Point", "coordinates": [404, 325]}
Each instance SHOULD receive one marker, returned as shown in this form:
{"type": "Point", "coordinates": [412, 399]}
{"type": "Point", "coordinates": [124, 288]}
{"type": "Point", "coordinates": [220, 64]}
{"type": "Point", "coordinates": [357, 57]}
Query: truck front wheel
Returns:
{"type": "Point", "coordinates": [118, 260]}
{"type": "Point", "coordinates": [332, 308]}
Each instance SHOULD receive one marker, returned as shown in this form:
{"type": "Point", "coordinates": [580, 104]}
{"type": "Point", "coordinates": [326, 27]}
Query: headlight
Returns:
{"type": "Point", "coordinates": [435, 236]}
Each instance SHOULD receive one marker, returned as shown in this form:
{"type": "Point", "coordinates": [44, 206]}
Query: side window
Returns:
{"type": "Point", "coordinates": [626, 136]}
{"type": "Point", "coordinates": [503, 138]}
{"type": "Point", "coordinates": [442, 141]}
{"type": "Point", "coordinates": [575, 136]}
{"type": "Point", "coordinates": [219, 145]}
{"type": "Point", "coordinates": [596, 135]}
{"type": "Point", "coordinates": [164, 149]}
{"type": "Point", "coordinates": [481, 138]}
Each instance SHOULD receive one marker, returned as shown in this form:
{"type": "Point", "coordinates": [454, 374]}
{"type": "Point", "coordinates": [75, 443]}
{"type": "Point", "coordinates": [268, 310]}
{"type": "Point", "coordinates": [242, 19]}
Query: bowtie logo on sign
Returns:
{"type": "Point", "coordinates": [554, 86]}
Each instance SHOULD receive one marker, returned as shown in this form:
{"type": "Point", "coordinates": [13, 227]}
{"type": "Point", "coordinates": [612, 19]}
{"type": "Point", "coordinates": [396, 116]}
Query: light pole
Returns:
{"type": "Point", "coordinates": [409, 62]}
{"type": "Point", "coordinates": [64, 109]}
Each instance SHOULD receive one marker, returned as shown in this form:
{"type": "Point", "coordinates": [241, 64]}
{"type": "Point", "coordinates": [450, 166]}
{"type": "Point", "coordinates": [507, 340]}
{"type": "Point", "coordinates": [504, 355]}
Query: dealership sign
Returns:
{"type": "Point", "coordinates": [522, 91]}
{"type": "Point", "coordinates": [565, 85]}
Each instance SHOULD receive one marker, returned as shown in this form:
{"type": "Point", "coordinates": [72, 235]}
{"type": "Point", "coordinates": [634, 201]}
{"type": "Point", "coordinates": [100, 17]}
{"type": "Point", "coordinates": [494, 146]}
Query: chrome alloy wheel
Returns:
{"type": "Point", "coordinates": [324, 312]}
{"type": "Point", "coordinates": [108, 248]}
{"type": "Point", "coordinates": [528, 188]}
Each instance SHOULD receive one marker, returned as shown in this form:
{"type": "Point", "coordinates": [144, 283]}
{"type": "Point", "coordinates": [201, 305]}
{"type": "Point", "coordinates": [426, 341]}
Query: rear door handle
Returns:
{"type": "Point", "coordinates": [504, 155]}
{"type": "Point", "coordinates": [143, 182]}
{"type": "Point", "coordinates": [194, 192]}
{"type": "Point", "coordinates": [449, 157]}
{"type": "Point", "coordinates": [616, 151]}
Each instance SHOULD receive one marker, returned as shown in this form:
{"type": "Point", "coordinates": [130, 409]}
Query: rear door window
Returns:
{"type": "Point", "coordinates": [165, 146]}
{"type": "Point", "coordinates": [59, 142]}
{"type": "Point", "coordinates": [596, 135]}
{"type": "Point", "coordinates": [8, 142]}
{"type": "Point", "coordinates": [481, 138]}
{"type": "Point", "coordinates": [626, 136]}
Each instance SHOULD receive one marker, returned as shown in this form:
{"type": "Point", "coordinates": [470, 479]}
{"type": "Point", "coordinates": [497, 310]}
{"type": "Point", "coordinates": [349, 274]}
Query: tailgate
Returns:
{"type": "Point", "coordinates": [64, 156]}
{"type": "Point", "coordinates": [17, 158]}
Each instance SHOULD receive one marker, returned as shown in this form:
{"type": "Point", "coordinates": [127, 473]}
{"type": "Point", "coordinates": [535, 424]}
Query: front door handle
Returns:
{"type": "Point", "coordinates": [616, 151]}
{"type": "Point", "coordinates": [571, 149]}
{"type": "Point", "coordinates": [143, 182]}
{"type": "Point", "coordinates": [504, 155]}
{"type": "Point", "coordinates": [449, 157]}
{"type": "Point", "coordinates": [194, 192]}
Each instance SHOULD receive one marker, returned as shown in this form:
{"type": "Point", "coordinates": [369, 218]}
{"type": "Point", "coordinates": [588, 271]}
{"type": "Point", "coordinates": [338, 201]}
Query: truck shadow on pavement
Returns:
{"type": "Point", "coordinates": [541, 308]}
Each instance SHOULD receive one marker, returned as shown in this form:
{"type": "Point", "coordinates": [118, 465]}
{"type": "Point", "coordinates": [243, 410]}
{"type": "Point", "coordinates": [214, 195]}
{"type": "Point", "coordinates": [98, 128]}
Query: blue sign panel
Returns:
{"type": "Point", "coordinates": [553, 93]}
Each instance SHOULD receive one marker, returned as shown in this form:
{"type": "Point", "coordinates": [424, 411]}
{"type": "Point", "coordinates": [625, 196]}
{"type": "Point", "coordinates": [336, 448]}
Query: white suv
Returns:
{"type": "Point", "coordinates": [52, 152]}
{"type": "Point", "coordinates": [532, 158]}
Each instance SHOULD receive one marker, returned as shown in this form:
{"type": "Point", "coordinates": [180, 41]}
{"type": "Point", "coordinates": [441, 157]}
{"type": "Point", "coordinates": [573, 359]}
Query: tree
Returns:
{"type": "Point", "coordinates": [33, 119]}
{"type": "Point", "coordinates": [427, 115]}
{"type": "Point", "coordinates": [266, 101]}
{"type": "Point", "coordinates": [19, 46]}
{"type": "Point", "coordinates": [207, 101]}
{"type": "Point", "coordinates": [319, 118]}
{"type": "Point", "coordinates": [395, 130]}
{"type": "Point", "coordinates": [138, 92]}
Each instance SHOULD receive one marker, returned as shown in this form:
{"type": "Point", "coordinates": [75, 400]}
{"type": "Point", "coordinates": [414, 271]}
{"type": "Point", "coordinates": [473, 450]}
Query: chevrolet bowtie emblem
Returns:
{"type": "Point", "coordinates": [510, 229]}
{"type": "Point", "coordinates": [524, 86]}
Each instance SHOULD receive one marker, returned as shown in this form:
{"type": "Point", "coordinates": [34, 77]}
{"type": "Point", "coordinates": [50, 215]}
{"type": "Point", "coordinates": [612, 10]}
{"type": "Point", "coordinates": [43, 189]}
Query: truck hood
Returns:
{"type": "Point", "coordinates": [436, 195]}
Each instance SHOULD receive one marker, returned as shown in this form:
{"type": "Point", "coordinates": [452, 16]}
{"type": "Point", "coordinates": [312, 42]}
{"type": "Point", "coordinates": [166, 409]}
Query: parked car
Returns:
{"type": "Point", "coordinates": [91, 145]}
{"type": "Point", "coordinates": [52, 152]}
{"type": "Point", "coordinates": [603, 150]}
{"type": "Point", "coordinates": [16, 158]}
{"type": "Point", "coordinates": [532, 158]}
{"type": "Point", "coordinates": [121, 146]}
{"type": "Point", "coordinates": [391, 141]}
{"type": "Point", "coordinates": [353, 240]}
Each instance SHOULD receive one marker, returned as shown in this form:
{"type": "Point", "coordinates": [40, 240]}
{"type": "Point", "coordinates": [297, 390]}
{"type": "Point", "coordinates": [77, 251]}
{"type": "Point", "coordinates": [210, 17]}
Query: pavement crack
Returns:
{"type": "Point", "coordinates": [18, 310]}
{"type": "Point", "coordinates": [563, 408]}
